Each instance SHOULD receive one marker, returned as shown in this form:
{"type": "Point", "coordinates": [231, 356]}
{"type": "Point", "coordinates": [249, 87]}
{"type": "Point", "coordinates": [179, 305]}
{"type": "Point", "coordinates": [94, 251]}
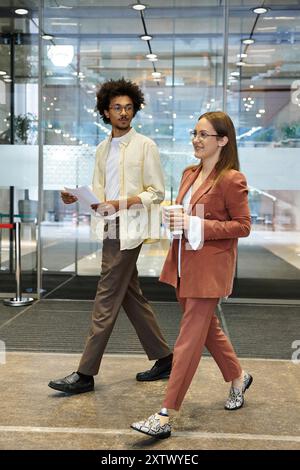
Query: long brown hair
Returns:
{"type": "Point", "coordinates": [223, 126]}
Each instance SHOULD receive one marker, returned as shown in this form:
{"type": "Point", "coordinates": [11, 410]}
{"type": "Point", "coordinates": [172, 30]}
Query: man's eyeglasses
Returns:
{"type": "Point", "coordinates": [118, 108]}
{"type": "Point", "coordinates": [202, 135]}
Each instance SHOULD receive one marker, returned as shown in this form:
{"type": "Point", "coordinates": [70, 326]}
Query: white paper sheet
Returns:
{"type": "Point", "coordinates": [84, 195]}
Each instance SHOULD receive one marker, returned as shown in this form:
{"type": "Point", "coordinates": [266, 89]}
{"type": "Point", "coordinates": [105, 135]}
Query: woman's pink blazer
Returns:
{"type": "Point", "coordinates": [209, 271]}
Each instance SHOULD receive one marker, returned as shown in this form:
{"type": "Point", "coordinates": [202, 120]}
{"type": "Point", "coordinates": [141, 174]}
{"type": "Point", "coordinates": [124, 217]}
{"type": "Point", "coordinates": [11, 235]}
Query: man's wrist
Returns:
{"type": "Point", "coordinates": [134, 200]}
{"type": "Point", "coordinates": [131, 201]}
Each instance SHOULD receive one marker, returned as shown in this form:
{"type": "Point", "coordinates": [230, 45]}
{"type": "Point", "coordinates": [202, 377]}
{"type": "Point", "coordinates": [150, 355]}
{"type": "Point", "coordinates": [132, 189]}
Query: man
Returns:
{"type": "Point", "coordinates": [127, 173]}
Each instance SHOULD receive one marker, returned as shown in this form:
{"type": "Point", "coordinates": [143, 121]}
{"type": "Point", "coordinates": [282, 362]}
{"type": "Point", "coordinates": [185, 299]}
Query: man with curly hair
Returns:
{"type": "Point", "coordinates": [128, 178]}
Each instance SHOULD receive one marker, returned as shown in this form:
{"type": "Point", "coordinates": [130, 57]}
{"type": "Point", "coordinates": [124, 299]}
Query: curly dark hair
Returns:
{"type": "Point", "coordinates": [114, 88]}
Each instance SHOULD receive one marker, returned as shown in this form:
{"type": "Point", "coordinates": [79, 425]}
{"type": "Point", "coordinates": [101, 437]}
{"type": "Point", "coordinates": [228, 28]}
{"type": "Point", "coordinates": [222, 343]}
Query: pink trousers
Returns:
{"type": "Point", "coordinates": [199, 327]}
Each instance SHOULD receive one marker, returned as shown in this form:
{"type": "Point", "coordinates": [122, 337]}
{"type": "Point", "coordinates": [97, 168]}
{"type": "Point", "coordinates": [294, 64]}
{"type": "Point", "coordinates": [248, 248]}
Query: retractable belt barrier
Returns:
{"type": "Point", "coordinates": [17, 301]}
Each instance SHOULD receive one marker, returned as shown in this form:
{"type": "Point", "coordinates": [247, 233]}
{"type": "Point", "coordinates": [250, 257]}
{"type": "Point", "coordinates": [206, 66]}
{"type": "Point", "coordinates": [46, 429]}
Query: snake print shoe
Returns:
{"type": "Point", "coordinates": [155, 426]}
{"type": "Point", "coordinates": [235, 399]}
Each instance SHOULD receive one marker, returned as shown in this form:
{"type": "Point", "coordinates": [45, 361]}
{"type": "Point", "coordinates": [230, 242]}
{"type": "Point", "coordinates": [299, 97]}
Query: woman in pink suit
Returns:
{"type": "Point", "coordinates": [201, 264]}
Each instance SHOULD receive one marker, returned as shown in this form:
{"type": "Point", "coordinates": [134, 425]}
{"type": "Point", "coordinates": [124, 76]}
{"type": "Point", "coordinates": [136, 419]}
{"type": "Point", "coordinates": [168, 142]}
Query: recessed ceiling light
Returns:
{"type": "Point", "coordinates": [248, 41]}
{"type": "Point", "coordinates": [260, 10]}
{"type": "Point", "coordinates": [47, 37]}
{"type": "Point", "coordinates": [138, 6]}
{"type": "Point", "coordinates": [2, 72]}
{"type": "Point", "coordinates": [146, 37]}
{"type": "Point", "coordinates": [21, 11]}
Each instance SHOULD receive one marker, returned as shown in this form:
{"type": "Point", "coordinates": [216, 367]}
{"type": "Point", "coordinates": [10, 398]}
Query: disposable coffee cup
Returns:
{"type": "Point", "coordinates": [167, 212]}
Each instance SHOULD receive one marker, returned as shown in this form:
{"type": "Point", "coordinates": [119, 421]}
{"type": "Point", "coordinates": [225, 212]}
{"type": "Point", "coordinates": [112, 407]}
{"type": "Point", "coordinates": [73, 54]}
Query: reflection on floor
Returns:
{"type": "Point", "coordinates": [284, 245]}
{"type": "Point", "coordinates": [264, 254]}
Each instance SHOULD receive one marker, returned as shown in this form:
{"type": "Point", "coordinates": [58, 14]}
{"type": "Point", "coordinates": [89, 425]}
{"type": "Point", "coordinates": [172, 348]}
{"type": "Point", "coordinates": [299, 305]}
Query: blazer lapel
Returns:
{"type": "Point", "coordinates": [204, 188]}
{"type": "Point", "coordinates": [187, 183]}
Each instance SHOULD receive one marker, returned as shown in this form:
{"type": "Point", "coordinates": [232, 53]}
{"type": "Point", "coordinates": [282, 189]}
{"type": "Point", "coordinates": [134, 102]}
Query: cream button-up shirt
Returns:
{"type": "Point", "coordinates": [141, 175]}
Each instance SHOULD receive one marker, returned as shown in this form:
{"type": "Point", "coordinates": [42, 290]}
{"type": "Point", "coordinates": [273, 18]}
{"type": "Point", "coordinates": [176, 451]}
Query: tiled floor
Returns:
{"type": "Point", "coordinates": [33, 416]}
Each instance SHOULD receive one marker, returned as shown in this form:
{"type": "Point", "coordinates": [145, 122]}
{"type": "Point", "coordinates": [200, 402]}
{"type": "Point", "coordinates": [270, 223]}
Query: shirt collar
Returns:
{"type": "Point", "coordinates": [126, 138]}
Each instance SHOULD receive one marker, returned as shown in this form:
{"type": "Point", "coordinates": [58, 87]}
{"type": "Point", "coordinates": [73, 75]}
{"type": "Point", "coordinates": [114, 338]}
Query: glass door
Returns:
{"type": "Point", "coordinates": [18, 145]}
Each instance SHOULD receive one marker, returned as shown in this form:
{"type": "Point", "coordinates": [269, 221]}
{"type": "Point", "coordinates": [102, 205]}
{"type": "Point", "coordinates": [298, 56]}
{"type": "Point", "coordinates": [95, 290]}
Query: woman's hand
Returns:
{"type": "Point", "coordinates": [68, 198]}
{"type": "Point", "coordinates": [179, 221]}
{"type": "Point", "coordinates": [176, 220]}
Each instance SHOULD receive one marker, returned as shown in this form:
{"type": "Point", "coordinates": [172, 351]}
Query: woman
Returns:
{"type": "Point", "coordinates": [202, 270]}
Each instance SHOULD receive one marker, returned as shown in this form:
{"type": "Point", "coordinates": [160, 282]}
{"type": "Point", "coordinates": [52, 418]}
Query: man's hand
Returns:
{"type": "Point", "coordinates": [106, 208]}
{"type": "Point", "coordinates": [67, 197]}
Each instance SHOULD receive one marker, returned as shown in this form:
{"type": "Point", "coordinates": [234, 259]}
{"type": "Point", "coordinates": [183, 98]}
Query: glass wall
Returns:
{"type": "Point", "coordinates": [18, 141]}
{"type": "Point", "coordinates": [263, 90]}
{"type": "Point", "coordinates": [99, 42]}
{"type": "Point", "coordinates": [201, 64]}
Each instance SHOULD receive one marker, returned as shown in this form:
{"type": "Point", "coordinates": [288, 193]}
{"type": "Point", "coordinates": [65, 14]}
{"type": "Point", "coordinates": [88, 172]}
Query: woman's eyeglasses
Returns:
{"type": "Point", "coordinates": [118, 108]}
{"type": "Point", "coordinates": [202, 135]}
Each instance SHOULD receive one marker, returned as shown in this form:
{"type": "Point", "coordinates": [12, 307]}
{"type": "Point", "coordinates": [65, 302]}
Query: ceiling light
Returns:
{"type": "Point", "coordinates": [260, 10]}
{"type": "Point", "coordinates": [47, 37]}
{"type": "Point", "coordinates": [146, 37]}
{"type": "Point", "coordinates": [61, 56]}
{"type": "Point", "coordinates": [240, 63]}
{"type": "Point", "coordinates": [138, 6]}
{"type": "Point", "coordinates": [2, 72]}
{"type": "Point", "coordinates": [151, 56]}
{"type": "Point", "coordinates": [156, 74]}
{"type": "Point", "coordinates": [242, 56]}
{"type": "Point", "coordinates": [21, 11]}
{"type": "Point", "coordinates": [248, 41]}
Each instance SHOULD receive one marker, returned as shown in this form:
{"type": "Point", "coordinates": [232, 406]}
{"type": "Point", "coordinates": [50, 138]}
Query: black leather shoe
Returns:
{"type": "Point", "coordinates": [156, 373]}
{"type": "Point", "coordinates": [73, 383]}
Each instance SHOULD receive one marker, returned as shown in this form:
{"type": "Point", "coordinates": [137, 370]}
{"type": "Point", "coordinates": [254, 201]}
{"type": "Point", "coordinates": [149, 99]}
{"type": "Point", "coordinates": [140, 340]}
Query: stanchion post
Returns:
{"type": "Point", "coordinates": [18, 260]}
{"type": "Point", "coordinates": [18, 301]}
